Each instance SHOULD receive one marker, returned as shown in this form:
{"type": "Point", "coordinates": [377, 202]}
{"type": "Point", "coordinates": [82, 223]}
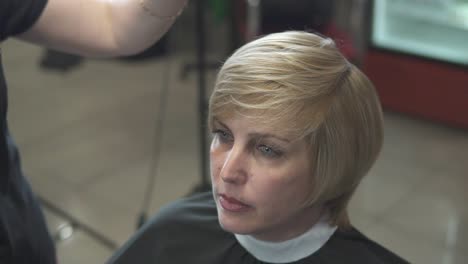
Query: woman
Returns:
{"type": "Point", "coordinates": [295, 129]}
{"type": "Point", "coordinates": [98, 28]}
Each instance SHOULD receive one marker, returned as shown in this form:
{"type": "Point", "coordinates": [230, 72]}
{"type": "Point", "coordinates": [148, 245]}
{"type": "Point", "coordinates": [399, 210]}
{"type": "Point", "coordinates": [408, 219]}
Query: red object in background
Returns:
{"type": "Point", "coordinates": [343, 40]}
{"type": "Point", "coordinates": [422, 87]}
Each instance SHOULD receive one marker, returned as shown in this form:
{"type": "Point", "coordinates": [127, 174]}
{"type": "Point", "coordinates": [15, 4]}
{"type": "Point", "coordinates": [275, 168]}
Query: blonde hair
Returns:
{"type": "Point", "coordinates": [298, 83]}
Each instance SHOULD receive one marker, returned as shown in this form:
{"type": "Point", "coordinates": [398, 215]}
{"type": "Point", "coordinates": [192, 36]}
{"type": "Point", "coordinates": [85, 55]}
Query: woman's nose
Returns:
{"type": "Point", "coordinates": [234, 169]}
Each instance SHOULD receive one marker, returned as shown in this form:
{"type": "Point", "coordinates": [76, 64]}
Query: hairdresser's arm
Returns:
{"type": "Point", "coordinates": [103, 28]}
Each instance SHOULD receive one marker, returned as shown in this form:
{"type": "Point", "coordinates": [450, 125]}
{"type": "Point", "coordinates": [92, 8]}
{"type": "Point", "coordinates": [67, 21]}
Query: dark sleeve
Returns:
{"type": "Point", "coordinates": [17, 16]}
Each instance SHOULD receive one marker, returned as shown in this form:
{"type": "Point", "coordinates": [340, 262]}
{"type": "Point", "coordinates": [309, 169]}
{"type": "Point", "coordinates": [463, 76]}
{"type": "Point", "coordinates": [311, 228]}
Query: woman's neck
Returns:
{"type": "Point", "coordinates": [302, 222]}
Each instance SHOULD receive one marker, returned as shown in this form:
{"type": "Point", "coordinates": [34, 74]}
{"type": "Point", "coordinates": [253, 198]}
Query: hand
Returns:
{"type": "Point", "coordinates": [163, 9]}
{"type": "Point", "coordinates": [103, 28]}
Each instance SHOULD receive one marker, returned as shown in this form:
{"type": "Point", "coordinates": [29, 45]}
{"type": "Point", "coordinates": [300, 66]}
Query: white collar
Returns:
{"type": "Point", "coordinates": [290, 250]}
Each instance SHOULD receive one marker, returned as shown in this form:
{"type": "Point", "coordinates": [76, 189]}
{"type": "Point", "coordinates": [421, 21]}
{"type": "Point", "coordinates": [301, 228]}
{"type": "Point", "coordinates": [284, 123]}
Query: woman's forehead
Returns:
{"type": "Point", "coordinates": [255, 124]}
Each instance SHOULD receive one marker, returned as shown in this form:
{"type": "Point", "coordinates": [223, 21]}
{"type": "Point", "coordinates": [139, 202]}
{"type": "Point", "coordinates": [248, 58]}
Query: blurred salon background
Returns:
{"type": "Point", "coordinates": [106, 143]}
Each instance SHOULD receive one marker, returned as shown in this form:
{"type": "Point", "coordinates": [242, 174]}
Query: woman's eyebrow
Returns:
{"type": "Point", "coordinates": [216, 121]}
{"type": "Point", "coordinates": [256, 134]}
{"type": "Point", "coordinates": [268, 135]}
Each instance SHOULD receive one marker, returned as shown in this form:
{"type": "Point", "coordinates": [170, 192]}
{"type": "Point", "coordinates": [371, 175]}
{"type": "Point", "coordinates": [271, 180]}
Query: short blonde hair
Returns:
{"type": "Point", "coordinates": [298, 83]}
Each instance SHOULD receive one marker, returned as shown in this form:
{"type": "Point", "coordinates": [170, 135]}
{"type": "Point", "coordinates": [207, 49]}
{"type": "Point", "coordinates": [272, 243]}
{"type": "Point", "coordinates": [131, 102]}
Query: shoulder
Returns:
{"type": "Point", "coordinates": [198, 210]}
{"type": "Point", "coordinates": [202, 202]}
{"type": "Point", "coordinates": [354, 247]}
{"type": "Point", "coordinates": [177, 227]}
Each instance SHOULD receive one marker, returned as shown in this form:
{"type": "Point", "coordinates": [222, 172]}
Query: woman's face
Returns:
{"type": "Point", "coordinates": [261, 180]}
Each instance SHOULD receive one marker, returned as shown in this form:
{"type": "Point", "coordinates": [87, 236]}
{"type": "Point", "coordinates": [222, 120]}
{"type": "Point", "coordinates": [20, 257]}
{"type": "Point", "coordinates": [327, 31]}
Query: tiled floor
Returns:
{"type": "Point", "coordinates": [87, 140]}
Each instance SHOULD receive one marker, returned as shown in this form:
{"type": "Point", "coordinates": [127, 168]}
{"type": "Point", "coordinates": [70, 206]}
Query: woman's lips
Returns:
{"type": "Point", "coordinates": [232, 205]}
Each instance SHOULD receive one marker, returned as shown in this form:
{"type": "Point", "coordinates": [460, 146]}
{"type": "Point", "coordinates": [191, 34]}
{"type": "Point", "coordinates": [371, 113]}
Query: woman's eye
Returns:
{"type": "Point", "coordinates": [223, 136]}
{"type": "Point", "coordinates": [269, 152]}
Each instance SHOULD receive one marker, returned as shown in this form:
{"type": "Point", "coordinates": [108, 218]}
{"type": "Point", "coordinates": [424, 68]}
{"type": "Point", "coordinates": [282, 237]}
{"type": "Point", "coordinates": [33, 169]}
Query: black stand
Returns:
{"type": "Point", "coordinates": [200, 66]}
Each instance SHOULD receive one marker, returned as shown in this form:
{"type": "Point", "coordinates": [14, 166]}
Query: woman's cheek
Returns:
{"type": "Point", "coordinates": [216, 158]}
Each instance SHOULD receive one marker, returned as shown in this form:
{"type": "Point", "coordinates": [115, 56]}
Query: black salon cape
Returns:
{"type": "Point", "coordinates": [23, 233]}
{"type": "Point", "coordinates": [188, 231]}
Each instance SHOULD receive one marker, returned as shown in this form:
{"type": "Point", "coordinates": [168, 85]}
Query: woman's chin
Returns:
{"type": "Point", "coordinates": [235, 226]}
